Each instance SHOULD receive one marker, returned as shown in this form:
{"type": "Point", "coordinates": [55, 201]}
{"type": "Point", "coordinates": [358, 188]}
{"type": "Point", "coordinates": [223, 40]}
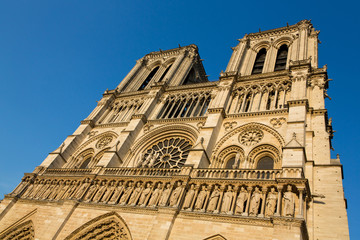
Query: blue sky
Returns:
{"type": "Point", "coordinates": [58, 57]}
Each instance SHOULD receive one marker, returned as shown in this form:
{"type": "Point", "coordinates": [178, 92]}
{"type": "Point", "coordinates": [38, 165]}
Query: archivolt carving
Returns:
{"type": "Point", "coordinates": [260, 45]}
{"type": "Point", "coordinates": [24, 231]}
{"type": "Point", "coordinates": [219, 160]}
{"type": "Point", "coordinates": [283, 40]}
{"type": "Point", "coordinates": [258, 126]}
{"type": "Point", "coordinates": [264, 150]}
{"type": "Point", "coordinates": [172, 130]}
{"type": "Point", "coordinates": [108, 134]}
{"type": "Point", "coordinates": [108, 226]}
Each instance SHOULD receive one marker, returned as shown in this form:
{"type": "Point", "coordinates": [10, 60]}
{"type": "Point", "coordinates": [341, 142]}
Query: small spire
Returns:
{"type": "Point", "coordinates": [259, 30]}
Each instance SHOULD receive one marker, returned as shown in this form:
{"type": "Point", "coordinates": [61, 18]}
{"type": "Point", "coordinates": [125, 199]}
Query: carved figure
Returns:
{"type": "Point", "coordinates": [189, 197]}
{"type": "Point", "coordinates": [145, 194]}
{"type": "Point", "coordinates": [201, 198]}
{"type": "Point", "coordinates": [100, 192]}
{"type": "Point", "coordinates": [49, 190]}
{"type": "Point", "coordinates": [148, 159]}
{"type": "Point", "coordinates": [255, 202]}
{"type": "Point", "coordinates": [109, 190]}
{"type": "Point", "coordinates": [126, 194]}
{"type": "Point", "coordinates": [237, 160]}
{"type": "Point", "coordinates": [140, 160]}
{"type": "Point", "coordinates": [227, 200]}
{"type": "Point", "coordinates": [155, 195]}
{"type": "Point", "coordinates": [240, 201]}
{"type": "Point", "coordinates": [153, 159]}
{"type": "Point", "coordinates": [165, 195]}
{"type": "Point", "coordinates": [56, 189]}
{"type": "Point", "coordinates": [24, 183]}
{"type": "Point", "coordinates": [82, 189]}
{"type": "Point", "coordinates": [289, 202]}
{"type": "Point", "coordinates": [213, 200]}
{"type": "Point", "coordinates": [91, 192]}
{"type": "Point", "coordinates": [63, 190]}
{"type": "Point", "coordinates": [271, 202]}
{"type": "Point", "coordinates": [117, 193]}
{"type": "Point", "coordinates": [135, 194]}
{"type": "Point", "coordinates": [70, 190]}
{"type": "Point", "coordinates": [175, 195]}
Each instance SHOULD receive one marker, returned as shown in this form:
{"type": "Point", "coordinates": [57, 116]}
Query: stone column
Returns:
{"type": "Point", "coordinates": [278, 206]}
{"type": "Point", "coordinates": [301, 204]}
{"type": "Point", "coordinates": [246, 212]}
{"type": "Point", "coordinates": [264, 190]}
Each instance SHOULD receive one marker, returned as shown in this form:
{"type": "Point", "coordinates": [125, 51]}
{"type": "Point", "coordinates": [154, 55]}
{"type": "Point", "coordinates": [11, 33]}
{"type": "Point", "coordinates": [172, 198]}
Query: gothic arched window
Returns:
{"type": "Point", "coordinates": [281, 58]}
{"type": "Point", "coordinates": [259, 61]}
{"type": "Point", "coordinates": [85, 164]}
{"type": "Point", "coordinates": [230, 163]}
{"type": "Point", "coordinates": [265, 163]}
{"type": "Point", "coordinates": [165, 72]}
{"type": "Point", "coordinates": [148, 79]}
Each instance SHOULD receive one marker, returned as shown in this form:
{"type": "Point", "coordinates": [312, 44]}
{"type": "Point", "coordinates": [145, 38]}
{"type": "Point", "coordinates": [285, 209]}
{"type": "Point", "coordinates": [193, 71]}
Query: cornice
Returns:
{"type": "Point", "coordinates": [174, 51]}
{"type": "Point", "coordinates": [110, 125]}
{"type": "Point", "coordinates": [278, 75]}
{"type": "Point", "coordinates": [255, 114]}
{"type": "Point", "coordinates": [196, 86]}
{"type": "Point", "coordinates": [177, 120]}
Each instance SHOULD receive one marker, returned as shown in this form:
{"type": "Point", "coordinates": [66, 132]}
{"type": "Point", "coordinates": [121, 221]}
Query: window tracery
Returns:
{"type": "Point", "coordinates": [167, 153]}
{"type": "Point", "coordinates": [260, 97]}
{"type": "Point", "coordinates": [259, 61]}
{"type": "Point", "coordinates": [121, 110]}
{"type": "Point", "coordinates": [251, 137]}
{"type": "Point", "coordinates": [185, 105]}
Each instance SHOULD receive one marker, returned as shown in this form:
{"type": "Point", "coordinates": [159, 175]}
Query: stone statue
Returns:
{"type": "Point", "coordinates": [201, 199]}
{"type": "Point", "coordinates": [255, 202]}
{"type": "Point", "coordinates": [25, 181]}
{"type": "Point", "coordinates": [135, 194]}
{"type": "Point", "coordinates": [165, 195]}
{"type": "Point", "coordinates": [140, 160]}
{"type": "Point", "coordinates": [271, 201]}
{"type": "Point", "coordinates": [153, 159]}
{"type": "Point", "coordinates": [175, 195]}
{"type": "Point", "coordinates": [91, 192]}
{"type": "Point", "coordinates": [189, 197]}
{"type": "Point", "coordinates": [49, 190]}
{"type": "Point", "coordinates": [145, 194]}
{"type": "Point", "coordinates": [97, 197]}
{"type": "Point", "coordinates": [109, 190]}
{"type": "Point", "coordinates": [56, 189]}
{"type": "Point", "coordinates": [63, 190]}
{"type": "Point", "coordinates": [155, 195]}
{"type": "Point", "coordinates": [126, 194]}
{"type": "Point", "coordinates": [240, 201]}
{"type": "Point", "coordinates": [71, 189]}
{"type": "Point", "coordinates": [148, 159]}
{"type": "Point", "coordinates": [37, 185]}
{"type": "Point", "coordinates": [289, 202]}
{"type": "Point", "coordinates": [237, 160]}
{"type": "Point", "coordinates": [117, 193]}
{"type": "Point", "coordinates": [227, 200]}
{"type": "Point", "coordinates": [82, 189]}
{"type": "Point", "coordinates": [42, 189]}
{"type": "Point", "coordinates": [213, 200]}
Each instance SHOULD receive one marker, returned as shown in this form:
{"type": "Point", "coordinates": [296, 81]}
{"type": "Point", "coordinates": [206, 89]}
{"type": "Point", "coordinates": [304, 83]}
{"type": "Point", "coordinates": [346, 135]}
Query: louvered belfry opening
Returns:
{"type": "Point", "coordinates": [148, 79]}
{"type": "Point", "coordinates": [259, 61]}
{"type": "Point", "coordinates": [281, 58]}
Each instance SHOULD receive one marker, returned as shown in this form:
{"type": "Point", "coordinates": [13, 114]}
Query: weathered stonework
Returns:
{"type": "Point", "coordinates": [169, 155]}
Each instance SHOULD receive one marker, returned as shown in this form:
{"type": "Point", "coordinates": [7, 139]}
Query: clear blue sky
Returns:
{"type": "Point", "coordinates": [58, 57]}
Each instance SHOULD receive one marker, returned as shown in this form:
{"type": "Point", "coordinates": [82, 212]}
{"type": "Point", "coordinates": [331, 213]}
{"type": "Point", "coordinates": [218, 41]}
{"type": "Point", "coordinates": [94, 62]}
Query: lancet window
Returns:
{"type": "Point", "coordinates": [148, 78]}
{"type": "Point", "coordinates": [281, 58]}
{"type": "Point", "coordinates": [185, 105]}
{"type": "Point", "coordinates": [259, 61]}
{"type": "Point", "coordinates": [265, 163]}
{"type": "Point", "coordinates": [121, 111]}
{"type": "Point", "coordinates": [165, 72]}
{"type": "Point", "coordinates": [264, 97]}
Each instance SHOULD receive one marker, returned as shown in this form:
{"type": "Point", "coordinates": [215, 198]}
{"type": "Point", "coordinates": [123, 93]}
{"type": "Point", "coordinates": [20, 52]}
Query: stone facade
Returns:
{"type": "Point", "coordinates": [170, 155]}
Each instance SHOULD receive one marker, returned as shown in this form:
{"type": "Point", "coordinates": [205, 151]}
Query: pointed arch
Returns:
{"type": "Point", "coordinates": [24, 231]}
{"type": "Point", "coordinates": [216, 237]}
{"type": "Point", "coordinates": [107, 226]}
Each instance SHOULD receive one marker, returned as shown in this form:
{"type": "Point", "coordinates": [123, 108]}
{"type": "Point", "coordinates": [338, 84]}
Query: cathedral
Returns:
{"type": "Point", "coordinates": [170, 155]}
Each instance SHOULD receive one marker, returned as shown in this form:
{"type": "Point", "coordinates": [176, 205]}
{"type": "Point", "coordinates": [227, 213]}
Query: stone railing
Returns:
{"type": "Point", "coordinates": [207, 173]}
{"type": "Point", "coordinates": [156, 172]}
{"type": "Point", "coordinates": [67, 171]}
{"type": "Point", "coordinates": [247, 173]}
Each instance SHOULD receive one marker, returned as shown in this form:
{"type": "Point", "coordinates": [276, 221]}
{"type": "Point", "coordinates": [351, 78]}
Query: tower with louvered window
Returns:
{"type": "Point", "coordinates": [168, 154]}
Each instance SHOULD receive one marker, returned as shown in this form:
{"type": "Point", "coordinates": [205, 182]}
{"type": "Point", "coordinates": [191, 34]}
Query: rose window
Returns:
{"type": "Point", "coordinates": [168, 153]}
{"type": "Point", "coordinates": [250, 137]}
